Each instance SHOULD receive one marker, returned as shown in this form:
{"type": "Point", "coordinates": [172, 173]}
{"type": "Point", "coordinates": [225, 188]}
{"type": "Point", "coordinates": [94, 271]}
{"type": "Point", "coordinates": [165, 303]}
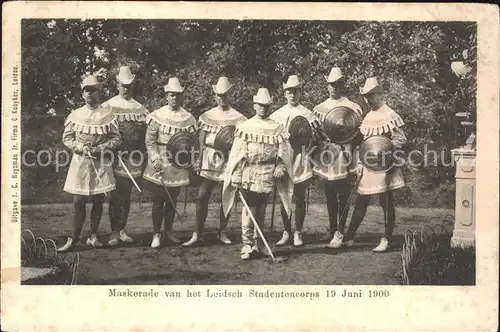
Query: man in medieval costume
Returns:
{"type": "Point", "coordinates": [259, 159]}
{"type": "Point", "coordinates": [333, 162]}
{"type": "Point", "coordinates": [302, 166]}
{"type": "Point", "coordinates": [380, 121]}
{"type": "Point", "coordinates": [91, 133]}
{"type": "Point", "coordinates": [131, 116]}
{"type": "Point", "coordinates": [164, 177]}
{"type": "Point", "coordinates": [213, 160]}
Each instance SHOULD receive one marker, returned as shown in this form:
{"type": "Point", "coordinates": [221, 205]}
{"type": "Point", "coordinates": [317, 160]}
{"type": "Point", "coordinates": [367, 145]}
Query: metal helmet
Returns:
{"type": "Point", "coordinates": [341, 124]}
{"type": "Point", "coordinates": [301, 134]}
{"type": "Point", "coordinates": [184, 149]}
{"type": "Point", "coordinates": [376, 153]}
{"type": "Point", "coordinates": [224, 139]}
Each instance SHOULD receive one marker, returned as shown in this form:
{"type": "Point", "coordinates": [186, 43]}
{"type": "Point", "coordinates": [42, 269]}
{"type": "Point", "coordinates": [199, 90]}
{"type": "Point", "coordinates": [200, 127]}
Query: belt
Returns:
{"type": "Point", "coordinates": [271, 161]}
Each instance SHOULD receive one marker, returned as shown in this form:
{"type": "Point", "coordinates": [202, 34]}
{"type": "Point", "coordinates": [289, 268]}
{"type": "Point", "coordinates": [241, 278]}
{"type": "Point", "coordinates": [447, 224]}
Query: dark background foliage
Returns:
{"type": "Point", "coordinates": [412, 60]}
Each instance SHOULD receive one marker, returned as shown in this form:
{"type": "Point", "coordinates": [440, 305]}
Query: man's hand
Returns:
{"type": "Point", "coordinates": [86, 150]}
{"type": "Point", "coordinates": [278, 173]}
{"type": "Point", "coordinates": [157, 166]}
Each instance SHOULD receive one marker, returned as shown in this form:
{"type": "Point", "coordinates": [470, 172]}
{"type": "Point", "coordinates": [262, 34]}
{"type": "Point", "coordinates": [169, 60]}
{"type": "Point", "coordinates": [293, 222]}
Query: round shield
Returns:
{"type": "Point", "coordinates": [224, 139]}
{"type": "Point", "coordinates": [184, 149]}
{"type": "Point", "coordinates": [301, 133]}
{"type": "Point", "coordinates": [341, 124]}
{"type": "Point", "coordinates": [376, 154]}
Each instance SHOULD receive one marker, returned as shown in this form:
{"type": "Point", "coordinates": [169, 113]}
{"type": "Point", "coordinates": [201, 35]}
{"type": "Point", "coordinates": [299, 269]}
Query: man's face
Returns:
{"type": "Point", "coordinates": [90, 95]}
{"type": "Point", "coordinates": [292, 96]}
{"type": "Point", "coordinates": [222, 99]}
{"type": "Point", "coordinates": [125, 90]}
{"type": "Point", "coordinates": [262, 111]}
{"type": "Point", "coordinates": [174, 99]}
{"type": "Point", "coordinates": [374, 100]}
{"type": "Point", "coordinates": [335, 89]}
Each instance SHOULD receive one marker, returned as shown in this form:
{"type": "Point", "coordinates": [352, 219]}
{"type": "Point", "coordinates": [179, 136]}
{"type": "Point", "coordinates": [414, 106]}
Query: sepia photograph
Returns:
{"type": "Point", "coordinates": [182, 166]}
{"type": "Point", "coordinates": [340, 152]}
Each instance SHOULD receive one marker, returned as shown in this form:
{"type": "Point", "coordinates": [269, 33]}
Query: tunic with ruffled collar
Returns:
{"type": "Point", "coordinates": [210, 123]}
{"type": "Point", "coordinates": [302, 166]}
{"type": "Point", "coordinates": [383, 121]}
{"type": "Point", "coordinates": [260, 145]}
{"type": "Point", "coordinates": [131, 117]}
{"type": "Point", "coordinates": [97, 128]}
{"type": "Point", "coordinates": [329, 161]}
{"type": "Point", "coordinates": [162, 125]}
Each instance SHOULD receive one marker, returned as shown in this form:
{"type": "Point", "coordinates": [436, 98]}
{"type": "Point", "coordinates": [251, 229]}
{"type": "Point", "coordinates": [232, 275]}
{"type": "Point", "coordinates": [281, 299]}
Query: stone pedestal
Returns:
{"type": "Point", "coordinates": [465, 198]}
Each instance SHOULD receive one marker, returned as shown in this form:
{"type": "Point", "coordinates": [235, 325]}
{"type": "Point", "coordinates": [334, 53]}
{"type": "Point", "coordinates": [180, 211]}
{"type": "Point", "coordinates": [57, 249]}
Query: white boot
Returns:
{"type": "Point", "coordinates": [67, 246]}
{"type": "Point", "coordinates": [193, 240]}
{"type": "Point", "coordinates": [224, 238]}
{"type": "Point", "coordinates": [125, 238]}
{"type": "Point", "coordinates": [93, 241]}
{"type": "Point", "coordinates": [383, 245]}
{"type": "Point", "coordinates": [246, 252]}
{"type": "Point", "coordinates": [336, 242]}
{"type": "Point", "coordinates": [297, 239]}
{"type": "Point", "coordinates": [156, 240]}
{"type": "Point", "coordinates": [284, 239]}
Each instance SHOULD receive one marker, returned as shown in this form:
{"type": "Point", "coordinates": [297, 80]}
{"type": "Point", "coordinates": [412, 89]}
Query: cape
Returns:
{"type": "Point", "coordinates": [380, 122]}
{"type": "Point", "coordinates": [286, 112]}
{"type": "Point", "coordinates": [215, 119]}
{"type": "Point", "coordinates": [127, 110]}
{"type": "Point", "coordinates": [94, 122]}
{"type": "Point", "coordinates": [325, 107]}
{"type": "Point", "coordinates": [172, 122]}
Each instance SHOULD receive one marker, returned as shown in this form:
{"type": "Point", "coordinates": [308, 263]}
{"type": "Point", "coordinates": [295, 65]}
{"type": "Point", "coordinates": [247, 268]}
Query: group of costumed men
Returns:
{"type": "Point", "coordinates": [261, 160]}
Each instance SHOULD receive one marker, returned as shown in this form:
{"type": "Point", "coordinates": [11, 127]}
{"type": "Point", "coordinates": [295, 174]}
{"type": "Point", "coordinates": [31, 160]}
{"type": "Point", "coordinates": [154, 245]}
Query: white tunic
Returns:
{"type": "Point", "coordinates": [162, 125]}
{"type": "Point", "coordinates": [95, 128]}
{"type": "Point", "coordinates": [302, 165]}
{"type": "Point", "coordinates": [131, 117]}
{"type": "Point", "coordinates": [210, 123]}
{"type": "Point", "coordinates": [383, 121]}
{"type": "Point", "coordinates": [329, 163]}
{"type": "Point", "coordinates": [260, 145]}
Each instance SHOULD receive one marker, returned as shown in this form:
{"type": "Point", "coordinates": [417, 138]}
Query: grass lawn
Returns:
{"type": "Point", "coordinates": [214, 263]}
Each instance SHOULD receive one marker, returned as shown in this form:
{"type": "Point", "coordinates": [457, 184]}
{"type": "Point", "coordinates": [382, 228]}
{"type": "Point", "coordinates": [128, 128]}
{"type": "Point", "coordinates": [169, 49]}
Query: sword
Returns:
{"type": "Point", "coordinates": [351, 195]}
{"type": "Point", "coordinates": [95, 170]}
{"type": "Point", "coordinates": [185, 198]}
{"type": "Point", "coordinates": [308, 194]}
{"type": "Point", "coordinates": [242, 198]}
{"type": "Point", "coordinates": [274, 207]}
{"type": "Point", "coordinates": [129, 175]}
